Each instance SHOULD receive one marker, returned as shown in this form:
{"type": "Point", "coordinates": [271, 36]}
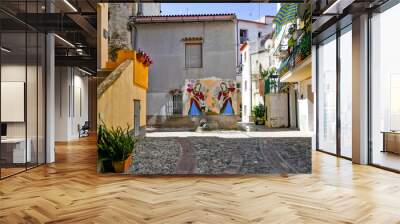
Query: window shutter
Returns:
{"type": "Point", "coordinates": [193, 55]}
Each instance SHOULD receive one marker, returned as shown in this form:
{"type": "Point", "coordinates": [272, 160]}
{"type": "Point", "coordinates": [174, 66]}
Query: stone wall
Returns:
{"type": "Point", "coordinates": [214, 122]}
{"type": "Point", "coordinates": [119, 14]}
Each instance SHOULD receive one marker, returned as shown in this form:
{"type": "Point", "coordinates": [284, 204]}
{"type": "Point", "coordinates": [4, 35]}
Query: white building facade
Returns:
{"type": "Point", "coordinates": [252, 36]}
{"type": "Point", "coordinates": [186, 48]}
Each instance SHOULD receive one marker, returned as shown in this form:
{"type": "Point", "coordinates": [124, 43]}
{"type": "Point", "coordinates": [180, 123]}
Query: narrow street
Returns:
{"type": "Point", "coordinates": [223, 152]}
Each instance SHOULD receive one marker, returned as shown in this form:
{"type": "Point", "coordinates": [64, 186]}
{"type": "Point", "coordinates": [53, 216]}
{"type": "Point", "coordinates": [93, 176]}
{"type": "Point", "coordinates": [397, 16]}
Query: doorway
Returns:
{"type": "Point", "coordinates": [136, 117]}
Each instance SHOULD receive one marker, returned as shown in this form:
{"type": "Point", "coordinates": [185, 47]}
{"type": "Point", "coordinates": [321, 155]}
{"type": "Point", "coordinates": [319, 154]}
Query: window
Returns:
{"type": "Point", "coordinates": [177, 104]}
{"type": "Point", "coordinates": [259, 34]}
{"type": "Point", "coordinates": [327, 95]}
{"type": "Point", "coordinates": [385, 89]}
{"type": "Point", "coordinates": [193, 55]}
{"type": "Point", "coordinates": [345, 83]}
{"type": "Point", "coordinates": [243, 36]}
{"type": "Point", "coordinates": [22, 98]}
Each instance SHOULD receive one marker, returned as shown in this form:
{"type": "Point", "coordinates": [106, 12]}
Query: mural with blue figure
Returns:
{"type": "Point", "coordinates": [210, 96]}
{"type": "Point", "coordinates": [197, 104]}
{"type": "Point", "coordinates": [225, 98]}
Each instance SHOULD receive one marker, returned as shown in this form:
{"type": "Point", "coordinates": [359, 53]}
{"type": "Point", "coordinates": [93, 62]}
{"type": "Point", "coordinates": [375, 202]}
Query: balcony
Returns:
{"type": "Point", "coordinates": [299, 56]}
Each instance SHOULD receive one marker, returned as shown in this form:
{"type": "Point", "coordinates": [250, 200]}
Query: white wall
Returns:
{"type": "Point", "coordinates": [260, 58]}
{"type": "Point", "coordinates": [33, 126]}
{"type": "Point", "coordinates": [246, 85]}
{"type": "Point", "coordinates": [16, 73]}
{"type": "Point", "coordinates": [164, 44]}
{"type": "Point", "coordinates": [305, 106]}
{"type": "Point", "coordinates": [252, 33]}
{"type": "Point", "coordinates": [71, 102]}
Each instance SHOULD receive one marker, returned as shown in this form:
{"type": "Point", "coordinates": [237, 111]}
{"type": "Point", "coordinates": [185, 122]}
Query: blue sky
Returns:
{"type": "Point", "coordinates": [250, 11]}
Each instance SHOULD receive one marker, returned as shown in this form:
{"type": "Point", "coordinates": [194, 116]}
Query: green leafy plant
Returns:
{"type": "Point", "coordinates": [259, 111]}
{"type": "Point", "coordinates": [291, 42]}
{"type": "Point", "coordinates": [305, 45]}
{"type": "Point", "coordinates": [266, 73]}
{"type": "Point", "coordinates": [115, 144]}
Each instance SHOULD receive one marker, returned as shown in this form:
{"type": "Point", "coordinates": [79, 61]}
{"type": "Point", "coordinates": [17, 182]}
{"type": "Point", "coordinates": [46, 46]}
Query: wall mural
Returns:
{"type": "Point", "coordinates": [211, 96]}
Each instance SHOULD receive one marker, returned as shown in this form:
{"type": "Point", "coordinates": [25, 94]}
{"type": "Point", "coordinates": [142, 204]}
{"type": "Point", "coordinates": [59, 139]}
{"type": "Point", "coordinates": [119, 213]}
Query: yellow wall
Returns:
{"type": "Point", "coordinates": [102, 42]}
{"type": "Point", "coordinates": [115, 105]}
{"type": "Point", "coordinates": [141, 75]}
{"type": "Point", "coordinates": [141, 72]}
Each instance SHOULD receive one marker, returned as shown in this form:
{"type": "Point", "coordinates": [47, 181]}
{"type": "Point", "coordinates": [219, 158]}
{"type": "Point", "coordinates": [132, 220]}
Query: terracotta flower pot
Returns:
{"type": "Point", "coordinates": [118, 166]}
{"type": "Point", "coordinates": [259, 121]}
{"type": "Point", "coordinates": [140, 58]}
{"type": "Point", "coordinates": [122, 166]}
{"type": "Point", "coordinates": [128, 163]}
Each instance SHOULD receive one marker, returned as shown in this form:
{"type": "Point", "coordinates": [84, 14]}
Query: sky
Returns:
{"type": "Point", "coordinates": [249, 11]}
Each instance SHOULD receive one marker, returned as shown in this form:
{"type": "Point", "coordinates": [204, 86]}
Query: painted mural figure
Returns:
{"type": "Point", "coordinates": [197, 104]}
{"type": "Point", "coordinates": [225, 98]}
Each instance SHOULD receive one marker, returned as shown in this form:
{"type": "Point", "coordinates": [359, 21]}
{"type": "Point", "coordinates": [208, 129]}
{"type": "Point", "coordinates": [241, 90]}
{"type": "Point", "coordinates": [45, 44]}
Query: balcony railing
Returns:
{"type": "Point", "coordinates": [297, 54]}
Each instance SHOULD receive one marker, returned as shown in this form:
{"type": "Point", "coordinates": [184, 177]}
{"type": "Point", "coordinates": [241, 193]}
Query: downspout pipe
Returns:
{"type": "Point", "coordinates": [134, 32]}
{"type": "Point", "coordinates": [132, 25]}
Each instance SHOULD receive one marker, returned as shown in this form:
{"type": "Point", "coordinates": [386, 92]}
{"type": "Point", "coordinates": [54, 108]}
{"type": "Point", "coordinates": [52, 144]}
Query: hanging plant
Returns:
{"type": "Point", "coordinates": [291, 42]}
{"type": "Point", "coordinates": [305, 45]}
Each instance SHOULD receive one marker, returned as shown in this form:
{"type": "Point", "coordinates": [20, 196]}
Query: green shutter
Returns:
{"type": "Point", "coordinates": [267, 87]}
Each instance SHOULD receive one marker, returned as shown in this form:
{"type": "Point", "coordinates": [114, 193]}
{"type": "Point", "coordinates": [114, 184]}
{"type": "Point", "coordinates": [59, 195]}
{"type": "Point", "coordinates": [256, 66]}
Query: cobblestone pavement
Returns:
{"type": "Point", "coordinates": [155, 156]}
{"type": "Point", "coordinates": [222, 155]}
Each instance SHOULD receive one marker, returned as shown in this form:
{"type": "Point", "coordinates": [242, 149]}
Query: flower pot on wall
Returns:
{"type": "Point", "coordinates": [140, 58]}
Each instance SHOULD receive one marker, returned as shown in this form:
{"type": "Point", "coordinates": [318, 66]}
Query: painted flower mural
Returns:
{"type": "Point", "coordinates": [210, 96]}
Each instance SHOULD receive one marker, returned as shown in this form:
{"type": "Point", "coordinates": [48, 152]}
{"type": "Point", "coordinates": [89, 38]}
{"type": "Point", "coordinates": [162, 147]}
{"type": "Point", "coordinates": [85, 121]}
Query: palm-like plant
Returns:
{"type": "Point", "coordinates": [115, 144]}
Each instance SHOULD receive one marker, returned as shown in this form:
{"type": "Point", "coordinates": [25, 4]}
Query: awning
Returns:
{"type": "Point", "coordinates": [287, 13]}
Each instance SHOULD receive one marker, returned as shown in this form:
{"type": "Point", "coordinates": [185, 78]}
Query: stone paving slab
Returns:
{"type": "Point", "coordinates": [216, 155]}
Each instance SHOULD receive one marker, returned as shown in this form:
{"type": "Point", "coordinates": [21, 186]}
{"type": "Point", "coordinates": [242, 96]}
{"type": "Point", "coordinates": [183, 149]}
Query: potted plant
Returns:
{"type": "Point", "coordinates": [259, 112]}
{"type": "Point", "coordinates": [305, 45]}
{"type": "Point", "coordinates": [115, 145]}
{"type": "Point", "coordinates": [140, 56]}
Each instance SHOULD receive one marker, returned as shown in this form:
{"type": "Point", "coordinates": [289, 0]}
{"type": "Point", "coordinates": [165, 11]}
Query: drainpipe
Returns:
{"type": "Point", "coordinates": [251, 84]}
{"type": "Point", "coordinates": [132, 25]}
{"type": "Point", "coordinates": [133, 33]}
{"type": "Point", "coordinates": [237, 43]}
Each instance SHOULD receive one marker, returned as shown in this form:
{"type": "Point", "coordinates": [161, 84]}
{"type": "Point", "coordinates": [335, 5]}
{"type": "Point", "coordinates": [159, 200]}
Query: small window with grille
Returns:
{"type": "Point", "coordinates": [177, 105]}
